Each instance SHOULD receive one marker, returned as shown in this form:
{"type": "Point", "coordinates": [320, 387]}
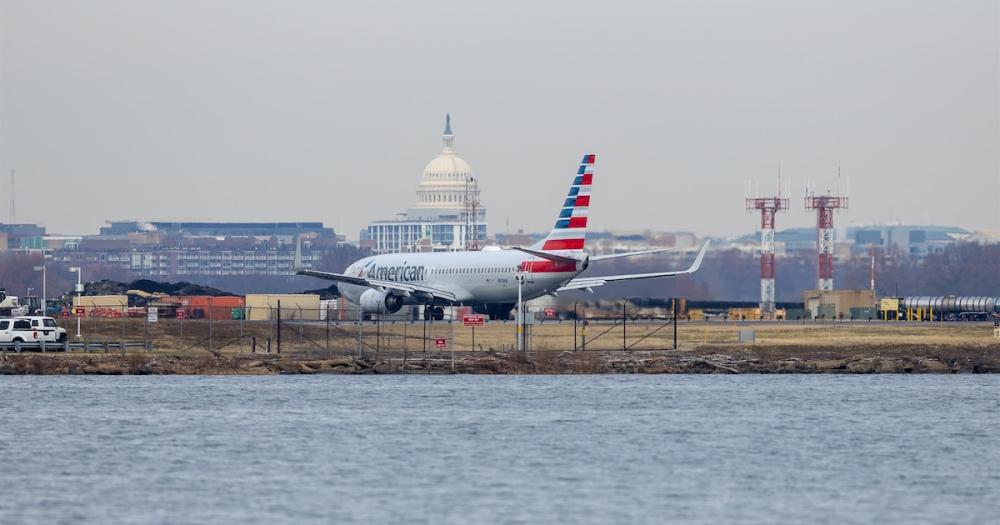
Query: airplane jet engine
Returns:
{"type": "Point", "coordinates": [376, 302]}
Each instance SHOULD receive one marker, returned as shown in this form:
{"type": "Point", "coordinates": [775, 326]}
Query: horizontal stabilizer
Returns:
{"type": "Point", "coordinates": [550, 256]}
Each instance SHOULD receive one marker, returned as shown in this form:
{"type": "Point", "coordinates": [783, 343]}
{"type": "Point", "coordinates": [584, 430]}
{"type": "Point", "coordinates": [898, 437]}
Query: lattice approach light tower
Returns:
{"type": "Point", "coordinates": [768, 207]}
{"type": "Point", "coordinates": [824, 205]}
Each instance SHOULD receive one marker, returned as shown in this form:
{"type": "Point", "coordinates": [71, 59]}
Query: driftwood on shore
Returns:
{"type": "Point", "coordinates": [705, 360]}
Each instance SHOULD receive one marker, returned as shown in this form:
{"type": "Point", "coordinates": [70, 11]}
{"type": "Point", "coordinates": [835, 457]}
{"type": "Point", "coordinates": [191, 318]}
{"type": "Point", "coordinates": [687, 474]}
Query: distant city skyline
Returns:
{"type": "Point", "coordinates": [260, 111]}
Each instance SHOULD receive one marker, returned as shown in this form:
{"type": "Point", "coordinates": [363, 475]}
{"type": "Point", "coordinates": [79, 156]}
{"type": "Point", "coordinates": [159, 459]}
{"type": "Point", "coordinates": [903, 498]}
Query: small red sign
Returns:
{"type": "Point", "coordinates": [181, 314]}
{"type": "Point", "coordinates": [80, 312]}
{"type": "Point", "coordinates": [441, 342]}
{"type": "Point", "coordinates": [550, 313]}
{"type": "Point", "coordinates": [65, 314]}
{"type": "Point", "coordinates": [474, 320]}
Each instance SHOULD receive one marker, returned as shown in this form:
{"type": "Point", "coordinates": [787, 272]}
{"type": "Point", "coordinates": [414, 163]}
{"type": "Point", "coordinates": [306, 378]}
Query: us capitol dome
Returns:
{"type": "Point", "coordinates": [446, 181]}
{"type": "Point", "coordinates": [447, 201]}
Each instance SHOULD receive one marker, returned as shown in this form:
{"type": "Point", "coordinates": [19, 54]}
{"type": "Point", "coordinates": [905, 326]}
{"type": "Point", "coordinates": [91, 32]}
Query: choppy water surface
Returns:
{"type": "Point", "coordinates": [460, 449]}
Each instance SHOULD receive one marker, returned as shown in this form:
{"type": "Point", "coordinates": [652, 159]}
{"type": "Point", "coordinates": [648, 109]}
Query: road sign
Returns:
{"type": "Point", "coordinates": [65, 314]}
{"type": "Point", "coordinates": [181, 314]}
{"type": "Point", "coordinates": [441, 342]}
{"type": "Point", "coordinates": [151, 314]}
{"type": "Point", "coordinates": [80, 312]}
{"type": "Point", "coordinates": [474, 320]}
{"type": "Point", "coordinates": [550, 313]}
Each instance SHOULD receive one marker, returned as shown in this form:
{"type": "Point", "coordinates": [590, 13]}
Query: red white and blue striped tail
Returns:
{"type": "Point", "coordinates": [570, 230]}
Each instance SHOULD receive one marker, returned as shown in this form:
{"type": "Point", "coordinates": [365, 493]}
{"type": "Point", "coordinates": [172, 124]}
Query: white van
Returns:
{"type": "Point", "coordinates": [13, 330]}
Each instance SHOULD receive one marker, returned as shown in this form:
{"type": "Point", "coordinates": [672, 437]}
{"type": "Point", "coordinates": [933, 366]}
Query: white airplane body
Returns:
{"type": "Point", "coordinates": [487, 278]}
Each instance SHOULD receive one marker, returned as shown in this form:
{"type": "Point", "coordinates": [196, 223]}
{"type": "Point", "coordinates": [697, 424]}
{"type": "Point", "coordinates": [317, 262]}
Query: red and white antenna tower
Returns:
{"type": "Point", "coordinates": [824, 205]}
{"type": "Point", "coordinates": [767, 206]}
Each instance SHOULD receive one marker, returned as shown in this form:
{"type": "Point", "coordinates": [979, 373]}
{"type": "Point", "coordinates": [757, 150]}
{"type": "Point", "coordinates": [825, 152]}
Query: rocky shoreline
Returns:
{"type": "Point", "coordinates": [702, 360]}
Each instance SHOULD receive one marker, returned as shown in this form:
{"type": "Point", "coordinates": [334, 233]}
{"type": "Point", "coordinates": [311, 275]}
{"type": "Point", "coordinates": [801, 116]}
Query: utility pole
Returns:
{"type": "Point", "coordinates": [520, 311]}
{"type": "Point", "coordinates": [871, 249]}
{"type": "Point", "coordinates": [79, 295]}
{"type": "Point", "coordinates": [44, 286]}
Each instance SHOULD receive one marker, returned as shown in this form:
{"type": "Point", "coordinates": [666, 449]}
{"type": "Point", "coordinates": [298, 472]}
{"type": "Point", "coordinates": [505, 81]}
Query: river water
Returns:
{"type": "Point", "coordinates": [500, 449]}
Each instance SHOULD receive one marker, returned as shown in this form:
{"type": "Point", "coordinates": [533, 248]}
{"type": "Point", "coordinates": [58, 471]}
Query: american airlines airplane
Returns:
{"type": "Point", "coordinates": [487, 279]}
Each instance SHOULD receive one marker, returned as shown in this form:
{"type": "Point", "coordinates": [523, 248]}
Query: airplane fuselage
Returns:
{"type": "Point", "coordinates": [474, 277]}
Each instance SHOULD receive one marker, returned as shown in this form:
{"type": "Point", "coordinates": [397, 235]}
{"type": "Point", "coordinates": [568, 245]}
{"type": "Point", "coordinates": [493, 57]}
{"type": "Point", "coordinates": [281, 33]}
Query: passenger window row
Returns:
{"type": "Point", "coordinates": [466, 271]}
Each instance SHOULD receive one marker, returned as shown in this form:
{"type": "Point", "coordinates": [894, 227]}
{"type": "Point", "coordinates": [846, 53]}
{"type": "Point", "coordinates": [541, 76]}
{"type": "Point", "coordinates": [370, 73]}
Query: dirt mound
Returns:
{"type": "Point", "coordinates": [146, 285]}
{"type": "Point", "coordinates": [330, 292]}
{"type": "Point", "coordinates": [178, 288]}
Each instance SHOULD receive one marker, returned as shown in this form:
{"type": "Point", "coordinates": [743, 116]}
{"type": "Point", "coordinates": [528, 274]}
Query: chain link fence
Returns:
{"type": "Point", "coordinates": [317, 333]}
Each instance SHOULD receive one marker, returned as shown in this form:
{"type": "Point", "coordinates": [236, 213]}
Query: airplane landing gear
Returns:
{"type": "Point", "coordinates": [433, 313]}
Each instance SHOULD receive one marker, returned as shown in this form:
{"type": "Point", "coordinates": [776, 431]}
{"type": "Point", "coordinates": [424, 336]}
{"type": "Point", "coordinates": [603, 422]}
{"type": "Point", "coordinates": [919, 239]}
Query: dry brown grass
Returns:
{"type": "Point", "coordinates": [234, 337]}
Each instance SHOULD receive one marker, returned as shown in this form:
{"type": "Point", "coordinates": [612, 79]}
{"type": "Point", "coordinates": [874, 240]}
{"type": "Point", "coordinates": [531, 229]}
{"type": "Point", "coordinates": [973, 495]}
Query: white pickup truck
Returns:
{"type": "Point", "coordinates": [31, 330]}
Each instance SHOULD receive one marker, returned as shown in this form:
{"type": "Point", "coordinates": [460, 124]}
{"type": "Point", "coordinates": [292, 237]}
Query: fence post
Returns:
{"type": "Point", "coordinates": [328, 333]}
{"type": "Point", "coordinates": [17, 346]}
{"type": "Point", "coordinates": [279, 326]}
{"type": "Point", "coordinates": [361, 332]}
{"type": "Point", "coordinates": [624, 324]}
{"type": "Point", "coordinates": [66, 345]}
{"type": "Point", "coordinates": [41, 343]}
{"type": "Point", "coordinates": [253, 344]}
{"type": "Point", "coordinates": [242, 319]}
{"type": "Point", "coordinates": [210, 334]}
{"type": "Point", "coordinates": [269, 345]}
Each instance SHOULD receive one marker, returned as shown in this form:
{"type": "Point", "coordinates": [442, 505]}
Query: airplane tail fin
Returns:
{"type": "Point", "coordinates": [570, 230]}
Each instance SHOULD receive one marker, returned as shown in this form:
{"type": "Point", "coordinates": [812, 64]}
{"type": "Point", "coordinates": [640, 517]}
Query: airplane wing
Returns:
{"type": "Point", "coordinates": [587, 283]}
{"type": "Point", "coordinates": [402, 288]}
{"type": "Point", "coordinates": [629, 254]}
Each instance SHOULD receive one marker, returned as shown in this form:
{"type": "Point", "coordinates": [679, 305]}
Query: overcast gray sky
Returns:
{"type": "Point", "coordinates": [320, 110]}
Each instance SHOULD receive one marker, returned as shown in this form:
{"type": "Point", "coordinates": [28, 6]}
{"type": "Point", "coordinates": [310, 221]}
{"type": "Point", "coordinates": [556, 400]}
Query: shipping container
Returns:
{"type": "Point", "coordinates": [101, 305]}
{"type": "Point", "coordinates": [796, 314]}
{"type": "Point", "coordinates": [740, 314]}
{"type": "Point", "coordinates": [827, 311]}
{"type": "Point", "coordinates": [207, 307]}
{"type": "Point", "coordinates": [864, 313]}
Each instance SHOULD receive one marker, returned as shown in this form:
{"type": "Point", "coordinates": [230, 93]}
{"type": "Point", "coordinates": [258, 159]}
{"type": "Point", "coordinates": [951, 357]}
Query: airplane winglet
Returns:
{"type": "Point", "coordinates": [697, 260]}
{"type": "Point", "coordinates": [297, 262]}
